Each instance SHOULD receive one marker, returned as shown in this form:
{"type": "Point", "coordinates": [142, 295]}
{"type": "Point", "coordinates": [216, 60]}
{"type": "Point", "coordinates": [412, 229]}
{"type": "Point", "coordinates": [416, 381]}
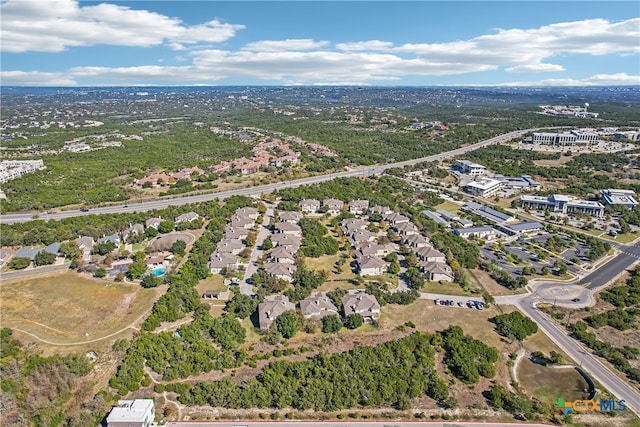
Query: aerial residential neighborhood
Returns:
{"type": "Point", "coordinates": [220, 214]}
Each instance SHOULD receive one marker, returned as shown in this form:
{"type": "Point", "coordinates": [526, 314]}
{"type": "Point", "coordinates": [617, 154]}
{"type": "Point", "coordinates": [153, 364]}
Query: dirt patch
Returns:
{"type": "Point", "coordinates": [547, 384]}
{"type": "Point", "coordinates": [484, 281]}
{"type": "Point", "coordinates": [163, 243]}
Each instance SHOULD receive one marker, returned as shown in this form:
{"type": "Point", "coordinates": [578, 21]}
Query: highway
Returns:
{"type": "Point", "coordinates": [256, 190]}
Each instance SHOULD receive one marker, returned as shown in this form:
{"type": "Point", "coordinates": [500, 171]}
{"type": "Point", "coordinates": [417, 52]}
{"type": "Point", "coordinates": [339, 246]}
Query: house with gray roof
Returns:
{"type": "Point", "coordinates": [363, 304]}
{"type": "Point", "coordinates": [30, 253]}
{"type": "Point", "coordinates": [317, 305]}
{"type": "Point", "coordinates": [334, 206]}
{"type": "Point", "coordinates": [358, 207]}
{"type": "Point", "coordinates": [283, 255]}
{"type": "Point", "coordinates": [287, 228]}
{"type": "Point", "coordinates": [309, 205]}
{"type": "Point", "coordinates": [280, 271]}
{"type": "Point", "coordinates": [290, 216]}
{"type": "Point", "coordinates": [115, 238]}
{"type": "Point", "coordinates": [219, 261]}
{"type": "Point", "coordinates": [235, 233]}
{"type": "Point", "coordinates": [416, 241]}
{"type": "Point", "coordinates": [187, 217]}
{"type": "Point", "coordinates": [133, 230]}
{"type": "Point", "coordinates": [242, 222]}
{"type": "Point", "coordinates": [395, 218]}
{"type": "Point", "coordinates": [248, 212]}
{"type": "Point", "coordinates": [436, 271]}
{"type": "Point", "coordinates": [371, 266]}
{"type": "Point", "coordinates": [153, 222]}
{"type": "Point", "coordinates": [377, 209]}
{"type": "Point", "coordinates": [429, 253]}
{"type": "Point", "coordinates": [272, 307]}
{"type": "Point", "coordinates": [230, 246]}
{"type": "Point", "coordinates": [291, 240]}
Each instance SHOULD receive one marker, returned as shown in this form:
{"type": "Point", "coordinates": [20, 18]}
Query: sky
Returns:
{"type": "Point", "coordinates": [374, 43]}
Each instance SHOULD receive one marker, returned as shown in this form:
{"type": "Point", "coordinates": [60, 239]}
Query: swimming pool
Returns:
{"type": "Point", "coordinates": [159, 271]}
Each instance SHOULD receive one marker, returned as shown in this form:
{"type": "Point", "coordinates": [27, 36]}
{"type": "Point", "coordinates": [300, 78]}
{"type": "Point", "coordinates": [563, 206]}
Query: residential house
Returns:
{"type": "Point", "coordinates": [28, 253]}
{"type": "Point", "coordinates": [309, 205]}
{"type": "Point", "coordinates": [359, 302]}
{"type": "Point", "coordinates": [133, 230]}
{"type": "Point", "coordinates": [381, 210]}
{"type": "Point", "coordinates": [290, 240]}
{"type": "Point", "coordinates": [272, 307]}
{"type": "Point", "coordinates": [187, 217]}
{"type": "Point", "coordinates": [242, 222]}
{"type": "Point", "coordinates": [394, 219]}
{"type": "Point", "coordinates": [287, 228]}
{"type": "Point", "coordinates": [53, 248]}
{"type": "Point", "coordinates": [85, 243]}
{"type": "Point", "coordinates": [115, 238]}
{"type": "Point", "coordinates": [371, 249]}
{"type": "Point", "coordinates": [436, 271]}
{"type": "Point", "coordinates": [235, 233]}
{"type": "Point", "coordinates": [230, 246]}
{"type": "Point", "coordinates": [363, 236]}
{"type": "Point", "coordinates": [283, 255]}
{"type": "Point", "coordinates": [219, 261]}
{"type": "Point", "coordinates": [416, 241]}
{"type": "Point", "coordinates": [316, 306]}
{"type": "Point", "coordinates": [371, 266]}
{"type": "Point", "coordinates": [358, 207]}
{"type": "Point", "coordinates": [155, 261]}
{"type": "Point", "coordinates": [334, 206]}
{"type": "Point", "coordinates": [280, 271]}
{"type": "Point", "coordinates": [153, 222]}
{"type": "Point", "coordinates": [248, 212]}
{"type": "Point", "coordinates": [406, 229]}
{"type": "Point", "coordinates": [430, 254]}
{"type": "Point", "coordinates": [350, 225]}
{"type": "Point", "coordinates": [290, 216]}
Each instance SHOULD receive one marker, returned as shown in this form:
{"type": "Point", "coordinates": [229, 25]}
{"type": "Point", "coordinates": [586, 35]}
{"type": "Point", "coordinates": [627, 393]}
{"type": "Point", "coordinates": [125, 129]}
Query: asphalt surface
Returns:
{"type": "Point", "coordinates": [256, 190]}
{"type": "Point", "coordinates": [603, 275]}
{"type": "Point", "coordinates": [33, 271]}
{"type": "Point", "coordinates": [591, 364]}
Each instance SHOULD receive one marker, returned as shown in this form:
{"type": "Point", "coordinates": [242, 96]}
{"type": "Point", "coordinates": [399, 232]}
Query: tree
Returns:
{"type": "Point", "coordinates": [514, 325]}
{"type": "Point", "coordinates": [103, 248]}
{"type": "Point", "coordinates": [150, 232]}
{"type": "Point", "coordinates": [241, 305]}
{"type": "Point", "coordinates": [100, 273]}
{"type": "Point", "coordinates": [178, 247]}
{"type": "Point", "coordinates": [166, 226]}
{"type": "Point", "coordinates": [394, 267]}
{"type": "Point", "coordinates": [287, 324]}
{"type": "Point", "coordinates": [331, 324]}
{"type": "Point", "coordinates": [267, 244]}
{"type": "Point", "coordinates": [136, 270]}
{"type": "Point", "coordinates": [150, 281]}
{"type": "Point", "coordinates": [70, 250]}
{"type": "Point", "coordinates": [44, 258]}
{"type": "Point", "coordinates": [19, 263]}
{"type": "Point", "coordinates": [354, 321]}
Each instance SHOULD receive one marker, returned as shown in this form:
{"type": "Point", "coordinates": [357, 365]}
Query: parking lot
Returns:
{"type": "Point", "coordinates": [460, 302]}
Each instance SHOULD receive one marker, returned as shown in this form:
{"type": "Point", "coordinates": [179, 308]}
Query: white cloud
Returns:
{"type": "Point", "coordinates": [285, 45]}
{"type": "Point", "coordinates": [536, 67]}
{"type": "Point", "coordinates": [365, 45]}
{"type": "Point", "coordinates": [35, 78]}
{"type": "Point", "coordinates": [54, 25]}
{"type": "Point", "coordinates": [618, 79]}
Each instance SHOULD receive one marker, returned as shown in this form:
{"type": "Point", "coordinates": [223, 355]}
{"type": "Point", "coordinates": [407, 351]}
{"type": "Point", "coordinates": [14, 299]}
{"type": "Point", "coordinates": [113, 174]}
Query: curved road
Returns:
{"type": "Point", "coordinates": [259, 189]}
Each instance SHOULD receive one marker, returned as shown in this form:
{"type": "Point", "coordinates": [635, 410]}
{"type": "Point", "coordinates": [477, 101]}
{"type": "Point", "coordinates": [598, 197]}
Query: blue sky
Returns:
{"type": "Point", "coordinates": [381, 43]}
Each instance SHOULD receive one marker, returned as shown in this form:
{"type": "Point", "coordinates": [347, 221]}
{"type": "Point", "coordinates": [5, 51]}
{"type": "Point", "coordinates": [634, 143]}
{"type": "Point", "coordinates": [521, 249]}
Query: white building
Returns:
{"type": "Point", "coordinates": [483, 187]}
{"type": "Point", "coordinates": [11, 169]}
{"type": "Point", "coordinates": [470, 168]}
{"type": "Point", "coordinates": [574, 137]}
{"type": "Point", "coordinates": [132, 413]}
{"type": "Point", "coordinates": [613, 196]}
{"type": "Point", "coordinates": [563, 204]}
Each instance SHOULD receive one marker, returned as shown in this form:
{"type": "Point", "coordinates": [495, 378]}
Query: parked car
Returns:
{"type": "Point", "coordinates": [436, 301]}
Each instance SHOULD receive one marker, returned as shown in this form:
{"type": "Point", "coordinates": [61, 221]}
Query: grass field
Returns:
{"type": "Point", "coordinates": [213, 283]}
{"type": "Point", "coordinates": [64, 308]}
{"type": "Point", "coordinates": [548, 384]}
{"type": "Point", "coordinates": [449, 206]}
{"type": "Point", "coordinates": [446, 288]}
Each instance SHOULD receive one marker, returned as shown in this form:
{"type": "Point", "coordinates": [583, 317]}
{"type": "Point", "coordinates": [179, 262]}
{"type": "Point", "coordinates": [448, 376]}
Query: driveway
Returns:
{"type": "Point", "coordinates": [245, 286]}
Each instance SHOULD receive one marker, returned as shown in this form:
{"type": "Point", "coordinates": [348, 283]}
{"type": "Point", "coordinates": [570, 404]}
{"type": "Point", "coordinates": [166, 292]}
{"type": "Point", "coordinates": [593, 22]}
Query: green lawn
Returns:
{"type": "Point", "coordinates": [448, 206]}
{"type": "Point", "coordinates": [446, 288]}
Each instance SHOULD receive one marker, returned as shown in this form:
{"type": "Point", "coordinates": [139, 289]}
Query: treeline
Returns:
{"type": "Point", "coordinates": [361, 377]}
{"type": "Point", "coordinates": [627, 295]}
{"type": "Point", "coordinates": [315, 242]}
{"type": "Point", "coordinates": [38, 390]}
{"type": "Point", "coordinates": [618, 318]}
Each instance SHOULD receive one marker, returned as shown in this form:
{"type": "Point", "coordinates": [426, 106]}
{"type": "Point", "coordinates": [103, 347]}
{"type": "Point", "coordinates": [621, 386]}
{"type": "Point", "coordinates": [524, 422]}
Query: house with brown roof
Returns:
{"type": "Point", "coordinates": [317, 305]}
{"type": "Point", "coordinates": [133, 230]}
{"type": "Point", "coordinates": [248, 212]}
{"type": "Point", "coordinates": [350, 225]}
{"type": "Point", "coordinates": [153, 222]}
{"type": "Point", "coordinates": [363, 236]}
{"type": "Point", "coordinates": [371, 249]}
{"type": "Point", "coordinates": [358, 207]}
{"type": "Point", "coordinates": [290, 240]}
{"type": "Point", "coordinates": [406, 229]}
{"type": "Point", "coordinates": [272, 307]}
{"type": "Point", "coordinates": [416, 241]}
{"type": "Point", "coordinates": [396, 218]}
{"type": "Point", "coordinates": [242, 222]}
{"type": "Point", "coordinates": [235, 233]}
{"type": "Point", "coordinates": [363, 304]}
{"type": "Point", "coordinates": [377, 209]}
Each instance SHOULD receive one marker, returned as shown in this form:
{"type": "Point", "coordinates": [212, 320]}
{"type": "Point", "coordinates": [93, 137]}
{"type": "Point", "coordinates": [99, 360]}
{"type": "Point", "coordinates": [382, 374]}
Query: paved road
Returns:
{"type": "Point", "coordinates": [245, 287]}
{"type": "Point", "coordinates": [590, 363]}
{"type": "Point", "coordinates": [257, 190]}
{"type": "Point", "coordinates": [346, 424]}
{"type": "Point", "coordinates": [34, 271]}
{"type": "Point", "coordinates": [602, 276]}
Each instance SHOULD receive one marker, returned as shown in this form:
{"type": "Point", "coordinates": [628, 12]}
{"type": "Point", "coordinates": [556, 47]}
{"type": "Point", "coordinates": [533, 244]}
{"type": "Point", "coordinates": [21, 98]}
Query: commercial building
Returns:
{"type": "Point", "coordinates": [479, 232]}
{"type": "Point", "coordinates": [518, 228]}
{"type": "Point", "coordinates": [484, 187]}
{"type": "Point", "coordinates": [574, 137]}
{"type": "Point", "coordinates": [523, 183]}
{"type": "Point", "coordinates": [469, 168]}
{"type": "Point", "coordinates": [132, 413]}
{"type": "Point", "coordinates": [613, 196]}
{"type": "Point", "coordinates": [488, 213]}
{"type": "Point", "coordinates": [563, 204]}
